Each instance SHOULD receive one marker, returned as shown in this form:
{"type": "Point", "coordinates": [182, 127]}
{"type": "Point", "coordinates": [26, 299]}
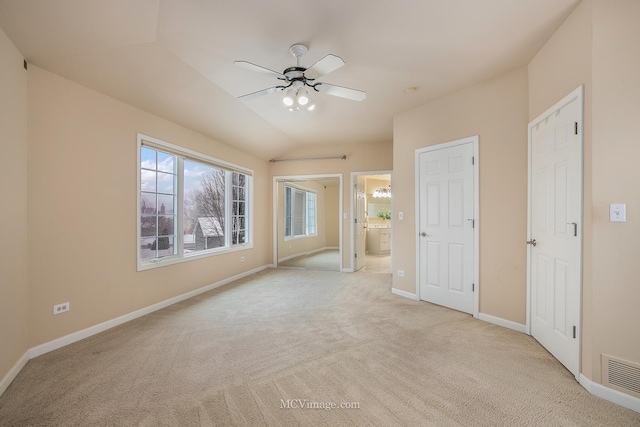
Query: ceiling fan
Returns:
{"type": "Point", "coordinates": [298, 81]}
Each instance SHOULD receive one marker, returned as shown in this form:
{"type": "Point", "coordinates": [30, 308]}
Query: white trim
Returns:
{"type": "Point", "coordinates": [578, 94]}
{"type": "Point", "coordinates": [352, 208]}
{"type": "Point", "coordinates": [606, 393]}
{"type": "Point", "coordinates": [475, 140]}
{"type": "Point", "coordinates": [404, 294]}
{"type": "Point", "coordinates": [519, 327]}
{"type": "Point", "coordinates": [193, 154]}
{"type": "Point", "coordinates": [101, 327]}
{"type": "Point", "coordinates": [13, 372]}
{"type": "Point", "coordinates": [277, 178]}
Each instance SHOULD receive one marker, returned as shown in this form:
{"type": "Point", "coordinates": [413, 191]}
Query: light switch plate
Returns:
{"type": "Point", "coordinates": [400, 216]}
{"type": "Point", "coordinates": [618, 212]}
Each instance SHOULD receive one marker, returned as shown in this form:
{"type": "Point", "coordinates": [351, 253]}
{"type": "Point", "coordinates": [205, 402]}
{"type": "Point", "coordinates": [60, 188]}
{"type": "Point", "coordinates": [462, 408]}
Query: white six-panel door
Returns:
{"type": "Point", "coordinates": [446, 226]}
{"type": "Point", "coordinates": [555, 223]}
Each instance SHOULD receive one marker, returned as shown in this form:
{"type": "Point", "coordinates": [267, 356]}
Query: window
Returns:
{"type": "Point", "coordinates": [190, 205]}
{"type": "Point", "coordinates": [299, 212]}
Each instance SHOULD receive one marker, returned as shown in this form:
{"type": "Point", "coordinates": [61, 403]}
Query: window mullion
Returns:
{"type": "Point", "coordinates": [179, 209]}
{"type": "Point", "coordinates": [228, 208]}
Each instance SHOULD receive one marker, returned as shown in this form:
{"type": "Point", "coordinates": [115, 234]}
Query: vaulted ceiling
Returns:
{"type": "Point", "coordinates": [174, 58]}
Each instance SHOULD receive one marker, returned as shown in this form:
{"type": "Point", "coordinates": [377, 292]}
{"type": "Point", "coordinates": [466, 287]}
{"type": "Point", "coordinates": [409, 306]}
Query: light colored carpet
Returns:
{"type": "Point", "coordinates": [326, 260]}
{"type": "Point", "coordinates": [230, 356]}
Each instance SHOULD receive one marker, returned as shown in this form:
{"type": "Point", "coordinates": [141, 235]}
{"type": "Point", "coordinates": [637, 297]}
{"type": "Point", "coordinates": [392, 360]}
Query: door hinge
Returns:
{"type": "Point", "coordinates": [473, 160]}
{"type": "Point", "coordinates": [473, 287]}
{"type": "Point", "coordinates": [355, 220]}
{"type": "Point", "coordinates": [356, 255]}
{"type": "Point", "coordinates": [574, 332]}
{"type": "Point", "coordinates": [575, 128]}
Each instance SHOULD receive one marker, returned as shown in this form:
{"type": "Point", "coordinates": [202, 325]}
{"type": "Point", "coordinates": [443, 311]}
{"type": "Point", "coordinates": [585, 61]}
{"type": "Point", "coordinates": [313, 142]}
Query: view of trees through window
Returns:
{"type": "Point", "coordinates": [212, 196]}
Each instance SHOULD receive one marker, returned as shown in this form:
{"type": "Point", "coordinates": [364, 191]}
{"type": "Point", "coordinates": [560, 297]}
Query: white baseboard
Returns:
{"type": "Point", "coordinates": [610, 394]}
{"type": "Point", "coordinates": [101, 327]}
{"type": "Point", "coordinates": [502, 322]}
{"type": "Point", "coordinates": [404, 294]}
{"type": "Point", "coordinates": [13, 372]}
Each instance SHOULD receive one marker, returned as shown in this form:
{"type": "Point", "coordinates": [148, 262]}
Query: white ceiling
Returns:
{"type": "Point", "coordinates": [174, 58]}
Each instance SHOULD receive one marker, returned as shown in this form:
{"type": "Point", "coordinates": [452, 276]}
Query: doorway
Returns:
{"type": "Point", "coordinates": [554, 264]}
{"type": "Point", "coordinates": [371, 205]}
{"type": "Point", "coordinates": [307, 226]}
{"type": "Point", "coordinates": [447, 216]}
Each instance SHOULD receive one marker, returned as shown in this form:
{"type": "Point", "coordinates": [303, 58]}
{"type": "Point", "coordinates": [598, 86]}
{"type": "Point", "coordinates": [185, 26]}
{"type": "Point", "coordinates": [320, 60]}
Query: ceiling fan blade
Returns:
{"type": "Point", "coordinates": [323, 67]}
{"type": "Point", "coordinates": [342, 92]}
{"type": "Point", "coordinates": [258, 68]}
{"type": "Point", "coordinates": [261, 93]}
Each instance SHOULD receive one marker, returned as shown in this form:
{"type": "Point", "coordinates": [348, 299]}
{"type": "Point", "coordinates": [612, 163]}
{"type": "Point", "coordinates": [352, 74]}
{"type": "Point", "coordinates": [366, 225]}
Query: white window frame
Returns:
{"type": "Point", "coordinates": [180, 154]}
{"type": "Point", "coordinates": [306, 226]}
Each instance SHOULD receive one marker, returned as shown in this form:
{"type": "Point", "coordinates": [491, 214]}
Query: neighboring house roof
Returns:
{"type": "Point", "coordinates": [210, 226]}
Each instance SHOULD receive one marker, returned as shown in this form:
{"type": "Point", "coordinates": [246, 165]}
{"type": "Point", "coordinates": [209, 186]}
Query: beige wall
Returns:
{"type": "Point", "coordinates": [495, 110]}
{"type": "Point", "coordinates": [562, 65]}
{"type": "Point", "coordinates": [615, 178]}
{"type": "Point", "coordinates": [13, 214]}
{"type": "Point", "coordinates": [82, 209]}
{"type": "Point", "coordinates": [360, 158]}
{"type": "Point", "coordinates": [295, 247]}
{"type": "Point", "coordinates": [332, 217]}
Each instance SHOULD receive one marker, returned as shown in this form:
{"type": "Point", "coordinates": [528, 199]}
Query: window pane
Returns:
{"type": "Point", "coordinates": [165, 225]}
{"type": "Point", "coordinates": [148, 226]}
{"type": "Point", "coordinates": [148, 203]}
{"type": "Point", "coordinates": [288, 212]}
{"type": "Point", "coordinates": [165, 246]}
{"type": "Point", "coordinates": [204, 206]}
{"type": "Point", "coordinates": [165, 162]}
{"type": "Point", "coordinates": [147, 180]}
{"type": "Point", "coordinates": [147, 158]}
{"type": "Point", "coordinates": [299, 213]}
{"type": "Point", "coordinates": [165, 183]}
{"type": "Point", "coordinates": [165, 204]}
{"type": "Point", "coordinates": [157, 219]}
{"type": "Point", "coordinates": [145, 248]}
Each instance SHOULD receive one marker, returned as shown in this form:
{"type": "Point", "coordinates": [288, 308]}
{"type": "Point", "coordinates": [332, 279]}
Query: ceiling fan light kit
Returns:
{"type": "Point", "coordinates": [296, 80]}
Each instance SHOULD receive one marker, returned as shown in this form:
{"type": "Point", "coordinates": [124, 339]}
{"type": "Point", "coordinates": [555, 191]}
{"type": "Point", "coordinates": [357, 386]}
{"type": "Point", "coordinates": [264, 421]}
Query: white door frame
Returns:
{"type": "Point", "coordinates": [579, 95]}
{"type": "Point", "coordinates": [352, 228]}
{"type": "Point", "coordinates": [275, 208]}
{"type": "Point", "coordinates": [476, 213]}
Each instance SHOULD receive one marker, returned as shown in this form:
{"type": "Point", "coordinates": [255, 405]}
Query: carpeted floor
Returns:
{"type": "Point", "coordinates": [328, 260]}
{"type": "Point", "coordinates": [233, 356]}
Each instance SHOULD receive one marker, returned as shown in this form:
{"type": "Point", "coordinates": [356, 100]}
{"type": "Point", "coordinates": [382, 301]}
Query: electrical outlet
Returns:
{"type": "Point", "coordinates": [400, 273]}
{"type": "Point", "coordinates": [241, 259]}
{"type": "Point", "coordinates": [61, 308]}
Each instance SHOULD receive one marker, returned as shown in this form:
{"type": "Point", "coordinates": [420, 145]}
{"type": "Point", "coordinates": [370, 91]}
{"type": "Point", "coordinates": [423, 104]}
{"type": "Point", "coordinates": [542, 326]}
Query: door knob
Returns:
{"type": "Point", "coordinates": [423, 234]}
{"type": "Point", "coordinates": [531, 242]}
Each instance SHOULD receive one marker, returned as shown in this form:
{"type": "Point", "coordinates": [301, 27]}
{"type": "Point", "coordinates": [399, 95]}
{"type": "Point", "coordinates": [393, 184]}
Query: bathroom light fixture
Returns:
{"type": "Point", "coordinates": [382, 192]}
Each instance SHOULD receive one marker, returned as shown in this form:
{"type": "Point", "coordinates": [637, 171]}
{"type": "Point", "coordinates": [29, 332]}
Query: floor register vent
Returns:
{"type": "Point", "coordinates": [621, 375]}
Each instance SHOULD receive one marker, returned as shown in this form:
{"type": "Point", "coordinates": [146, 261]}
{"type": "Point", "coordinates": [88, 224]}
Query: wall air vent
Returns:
{"type": "Point", "coordinates": [621, 375]}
